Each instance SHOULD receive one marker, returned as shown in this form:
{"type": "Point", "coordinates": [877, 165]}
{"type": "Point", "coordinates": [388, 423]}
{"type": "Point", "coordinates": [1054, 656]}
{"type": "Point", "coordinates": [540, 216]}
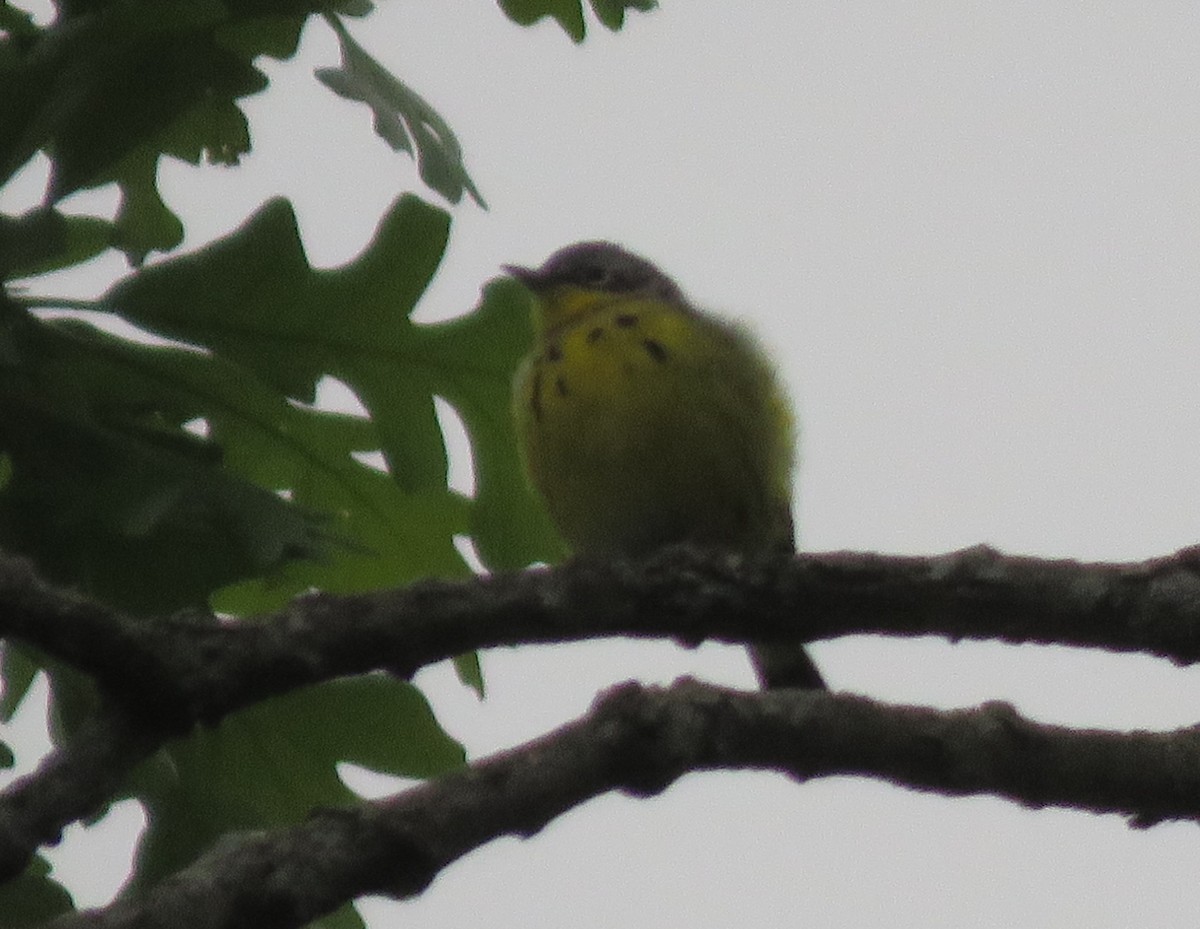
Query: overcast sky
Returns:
{"type": "Point", "coordinates": [969, 234]}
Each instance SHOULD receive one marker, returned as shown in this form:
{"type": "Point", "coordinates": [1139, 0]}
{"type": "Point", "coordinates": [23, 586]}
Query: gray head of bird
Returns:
{"type": "Point", "coordinates": [598, 265]}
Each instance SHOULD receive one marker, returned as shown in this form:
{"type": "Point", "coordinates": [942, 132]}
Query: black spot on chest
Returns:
{"type": "Point", "coordinates": [535, 396]}
{"type": "Point", "coordinates": [655, 350]}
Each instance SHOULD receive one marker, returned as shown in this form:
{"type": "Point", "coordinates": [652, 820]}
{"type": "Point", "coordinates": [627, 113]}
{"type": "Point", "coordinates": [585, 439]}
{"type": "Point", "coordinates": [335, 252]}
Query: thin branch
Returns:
{"type": "Point", "coordinates": [71, 782]}
{"type": "Point", "coordinates": [640, 740]}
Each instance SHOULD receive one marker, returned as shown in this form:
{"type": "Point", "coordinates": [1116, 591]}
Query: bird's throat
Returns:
{"type": "Point", "coordinates": [562, 307]}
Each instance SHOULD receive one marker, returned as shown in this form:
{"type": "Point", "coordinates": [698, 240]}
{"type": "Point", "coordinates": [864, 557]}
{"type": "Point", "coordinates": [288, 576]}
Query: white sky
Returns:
{"type": "Point", "coordinates": [969, 234]}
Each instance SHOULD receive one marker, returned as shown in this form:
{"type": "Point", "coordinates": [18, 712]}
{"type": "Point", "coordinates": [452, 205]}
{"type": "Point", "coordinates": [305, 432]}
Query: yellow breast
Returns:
{"type": "Point", "coordinates": [643, 423]}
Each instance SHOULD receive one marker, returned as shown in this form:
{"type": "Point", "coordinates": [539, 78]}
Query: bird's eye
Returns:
{"type": "Point", "coordinates": [594, 276]}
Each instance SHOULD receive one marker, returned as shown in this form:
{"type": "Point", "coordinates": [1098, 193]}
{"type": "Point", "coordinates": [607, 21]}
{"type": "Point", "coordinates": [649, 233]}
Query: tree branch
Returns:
{"type": "Point", "coordinates": [163, 677]}
{"type": "Point", "coordinates": [198, 668]}
{"type": "Point", "coordinates": [71, 782]}
{"type": "Point", "coordinates": [640, 740]}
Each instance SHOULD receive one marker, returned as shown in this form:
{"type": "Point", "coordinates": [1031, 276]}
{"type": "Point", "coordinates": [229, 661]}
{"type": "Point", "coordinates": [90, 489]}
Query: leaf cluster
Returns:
{"type": "Point", "coordinates": [162, 447]}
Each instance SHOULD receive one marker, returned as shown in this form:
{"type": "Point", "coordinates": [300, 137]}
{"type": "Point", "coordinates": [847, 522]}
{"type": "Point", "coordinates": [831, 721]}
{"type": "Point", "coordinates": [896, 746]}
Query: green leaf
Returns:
{"type": "Point", "coordinates": [110, 494]}
{"type": "Point", "coordinates": [569, 13]}
{"type": "Point", "coordinates": [470, 672]}
{"type": "Point", "coordinates": [374, 721]}
{"type": "Point", "coordinates": [402, 118]}
{"type": "Point", "coordinates": [107, 93]}
{"type": "Point", "coordinates": [612, 12]}
{"type": "Point", "coordinates": [16, 22]}
{"type": "Point", "coordinates": [135, 519]}
{"type": "Point", "coordinates": [397, 537]}
{"type": "Point", "coordinates": [277, 36]}
{"type": "Point", "coordinates": [17, 670]}
{"type": "Point", "coordinates": [345, 918]}
{"type": "Point", "coordinates": [137, 92]}
{"type": "Point", "coordinates": [107, 83]}
{"type": "Point", "coordinates": [272, 764]}
{"type": "Point", "coordinates": [476, 356]}
{"type": "Point", "coordinates": [7, 758]}
{"type": "Point", "coordinates": [45, 240]}
{"type": "Point", "coordinates": [144, 223]}
{"type": "Point", "coordinates": [254, 299]}
{"type": "Point", "coordinates": [32, 898]}
{"type": "Point", "coordinates": [98, 412]}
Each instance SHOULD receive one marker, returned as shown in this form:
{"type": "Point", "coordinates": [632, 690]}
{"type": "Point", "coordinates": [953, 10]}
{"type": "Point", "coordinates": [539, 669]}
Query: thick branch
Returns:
{"type": "Point", "coordinates": [640, 740]}
{"type": "Point", "coordinates": [198, 668]}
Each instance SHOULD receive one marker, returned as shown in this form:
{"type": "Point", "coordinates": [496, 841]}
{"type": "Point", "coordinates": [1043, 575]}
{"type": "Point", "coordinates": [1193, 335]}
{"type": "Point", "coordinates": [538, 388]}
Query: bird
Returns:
{"type": "Point", "coordinates": [643, 421]}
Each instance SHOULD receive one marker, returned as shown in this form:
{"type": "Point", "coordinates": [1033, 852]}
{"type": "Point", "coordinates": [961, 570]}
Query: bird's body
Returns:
{"type": "Point", "coordinates": [644, 421]}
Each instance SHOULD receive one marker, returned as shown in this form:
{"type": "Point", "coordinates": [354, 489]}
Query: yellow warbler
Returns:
{"type": "Point", "coordinates": [644, 421]}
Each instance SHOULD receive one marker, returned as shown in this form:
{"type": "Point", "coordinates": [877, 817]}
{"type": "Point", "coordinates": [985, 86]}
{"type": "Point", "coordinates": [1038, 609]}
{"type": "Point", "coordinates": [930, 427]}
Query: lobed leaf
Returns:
{"type": "Point", "coordinates": [569, 13]}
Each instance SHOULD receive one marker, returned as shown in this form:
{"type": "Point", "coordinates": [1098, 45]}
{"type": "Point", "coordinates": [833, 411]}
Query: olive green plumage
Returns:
{"type": "Point", "coordinates": [644, 421]}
